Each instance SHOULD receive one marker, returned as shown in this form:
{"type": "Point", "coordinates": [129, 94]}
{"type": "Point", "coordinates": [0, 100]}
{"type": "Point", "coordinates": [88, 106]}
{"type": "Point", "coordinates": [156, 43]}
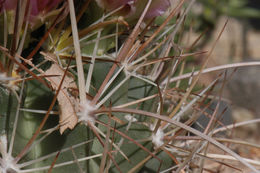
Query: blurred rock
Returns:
{"type": "Point", "coordinates": [241, 114]}
{"type": "Point", "coordinates": [244, 89]}
{"type": "Point", "coordinates": [224, 116]}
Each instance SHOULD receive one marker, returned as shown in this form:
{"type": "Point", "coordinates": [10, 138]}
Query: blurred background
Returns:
{"type": "Point", "coordinates": [240, 42]}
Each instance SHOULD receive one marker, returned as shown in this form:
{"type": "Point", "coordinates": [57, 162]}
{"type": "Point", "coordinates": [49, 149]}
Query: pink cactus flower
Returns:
{"type": "Point", "coordinates": [157, 8]}
{"type": "Point", "coordinates": [113, 4]}
{"type": "Point", "coordinates": [37, 6]}
{"type": "Point", "coordinates": [130, 7]}
{"type": "Point", "coordinates": [7, 4]}
{"type": "Point", "coordinates": [41, 6]}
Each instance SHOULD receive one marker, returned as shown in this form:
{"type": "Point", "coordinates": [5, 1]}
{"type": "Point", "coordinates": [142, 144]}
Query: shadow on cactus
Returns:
{"type": "Point", "coordinates": [100, 92]}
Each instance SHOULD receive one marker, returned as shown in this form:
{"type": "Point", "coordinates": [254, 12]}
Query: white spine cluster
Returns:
{"type": "Point", "coordinates": [85, 113]}
{"type": "Point", "coordinates": [130, 118]}
{"type": "Point", "coordinates": [6, 161]}
{"type": "Point", "coordinates": [157, 138]}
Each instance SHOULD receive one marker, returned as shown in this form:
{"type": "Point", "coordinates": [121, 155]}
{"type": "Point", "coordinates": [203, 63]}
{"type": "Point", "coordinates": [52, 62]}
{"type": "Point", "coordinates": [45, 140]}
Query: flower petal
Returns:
{"type": "Point", "coordinates": [157, 8]}
{"type": "Point", "coordinates": [9, 4]}
{"type": "Point", "coordinates": [113, 4]}
{"type": "Point", "coordinates": [37, 6]}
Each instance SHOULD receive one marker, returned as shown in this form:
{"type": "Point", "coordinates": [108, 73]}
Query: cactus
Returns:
{"type": "Point", "coordinates": [102, 89]}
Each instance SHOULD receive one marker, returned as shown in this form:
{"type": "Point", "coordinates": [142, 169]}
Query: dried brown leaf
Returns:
{"type": "Point", "coordinates": [68, 103]}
